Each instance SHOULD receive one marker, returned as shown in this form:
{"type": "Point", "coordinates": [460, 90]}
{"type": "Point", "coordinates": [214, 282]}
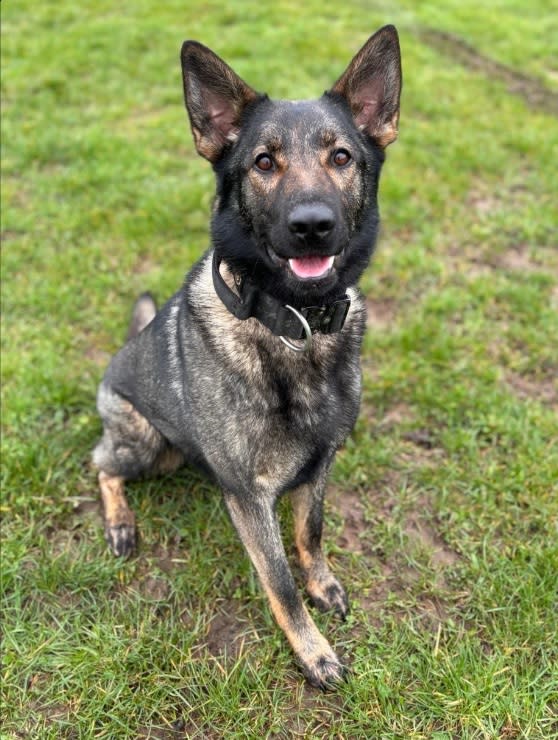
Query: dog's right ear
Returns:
{"type": "Point", "coordinates": [371, 85]}
{"type": "Point", "coordinates": [215, 98]}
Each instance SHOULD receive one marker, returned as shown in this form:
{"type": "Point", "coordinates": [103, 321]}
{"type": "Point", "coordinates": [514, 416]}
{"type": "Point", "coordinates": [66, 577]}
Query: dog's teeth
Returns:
{"type": "Point", "coordinates": [310, 267]}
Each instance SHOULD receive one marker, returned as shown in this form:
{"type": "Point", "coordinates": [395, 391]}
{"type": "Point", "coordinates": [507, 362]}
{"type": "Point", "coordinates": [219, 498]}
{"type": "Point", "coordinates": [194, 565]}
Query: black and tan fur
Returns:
{"type": "Point", "coordinates": [196, 385]}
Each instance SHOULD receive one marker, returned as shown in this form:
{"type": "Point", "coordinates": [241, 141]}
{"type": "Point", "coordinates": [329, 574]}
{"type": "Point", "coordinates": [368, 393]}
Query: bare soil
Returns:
{"type": "Point", "coordinates": [532, 90]}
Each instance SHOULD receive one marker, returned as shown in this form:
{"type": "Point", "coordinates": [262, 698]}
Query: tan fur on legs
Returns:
{"type": "Point", "coordinates": [120, 522]}
{"type": "Point", "coordinates": [322, 586]}
{"type": "Point", "coordinates": [259, 531]}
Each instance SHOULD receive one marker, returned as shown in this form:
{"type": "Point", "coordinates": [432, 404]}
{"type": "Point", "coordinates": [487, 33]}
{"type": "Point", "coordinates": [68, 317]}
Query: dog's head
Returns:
{"type": "Point", "coordinates": [296, 207]}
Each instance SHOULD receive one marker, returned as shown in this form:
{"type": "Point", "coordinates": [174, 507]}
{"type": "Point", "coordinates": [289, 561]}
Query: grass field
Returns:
{"type": "Point", "coordinates": [442, 516]}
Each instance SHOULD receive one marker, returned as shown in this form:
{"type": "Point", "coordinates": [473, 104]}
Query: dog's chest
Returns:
{"type": "Point", "coordinates": [284, 420]}
{"type": "Point", "coordinates": [298, 397]}
{"type": "Point", "coordinates": [255, 409]}
{"type": "Point", "coordinates": [304, 397]}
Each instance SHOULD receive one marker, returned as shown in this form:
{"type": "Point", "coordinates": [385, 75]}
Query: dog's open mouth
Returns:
{"type": "Point", "coordinates": [311, 267]}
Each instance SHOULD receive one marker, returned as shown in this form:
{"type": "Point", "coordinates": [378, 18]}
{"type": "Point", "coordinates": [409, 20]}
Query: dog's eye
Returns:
{"type": "Point", "coordinates": [341, 157]}
{"type": "Point", "coordinates": [264, 162]}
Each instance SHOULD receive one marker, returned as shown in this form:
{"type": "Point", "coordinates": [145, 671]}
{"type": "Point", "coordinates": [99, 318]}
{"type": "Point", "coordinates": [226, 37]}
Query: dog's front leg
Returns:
{"type": "Point", "coordinates": [254, 517]}
{"type": "Point", "coordinates": [322, 586]}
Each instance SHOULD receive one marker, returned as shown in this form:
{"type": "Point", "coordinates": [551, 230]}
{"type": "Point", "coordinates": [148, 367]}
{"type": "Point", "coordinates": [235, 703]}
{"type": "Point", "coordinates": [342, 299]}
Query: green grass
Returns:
{"type": "Point", "coordinates": [443, 509]}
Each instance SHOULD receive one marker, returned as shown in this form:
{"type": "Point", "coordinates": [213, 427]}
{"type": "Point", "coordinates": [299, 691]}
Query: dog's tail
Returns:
{"type": "Point", "coordinates": [144, 311]}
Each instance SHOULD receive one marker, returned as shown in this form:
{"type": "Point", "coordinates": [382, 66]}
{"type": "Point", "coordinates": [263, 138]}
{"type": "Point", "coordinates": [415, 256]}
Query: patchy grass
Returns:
{"type": "Point", "coordinates": [442, 514]}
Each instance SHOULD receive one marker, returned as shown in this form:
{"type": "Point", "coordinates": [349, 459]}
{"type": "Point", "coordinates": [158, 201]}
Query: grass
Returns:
{"type": "Point", "coordinates": [443, 507]}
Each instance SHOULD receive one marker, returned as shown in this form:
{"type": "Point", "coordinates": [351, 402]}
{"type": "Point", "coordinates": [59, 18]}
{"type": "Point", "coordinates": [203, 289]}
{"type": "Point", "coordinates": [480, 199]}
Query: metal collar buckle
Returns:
{"type": "Point", "coordinates": [307, 331]}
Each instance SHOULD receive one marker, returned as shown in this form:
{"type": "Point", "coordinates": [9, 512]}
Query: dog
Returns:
{"type": "Point", "coordinates": [252, 369]}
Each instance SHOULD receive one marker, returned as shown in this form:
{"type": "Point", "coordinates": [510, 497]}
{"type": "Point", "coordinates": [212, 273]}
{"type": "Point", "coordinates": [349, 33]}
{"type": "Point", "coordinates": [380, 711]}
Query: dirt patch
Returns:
{"type": "Point", "coordinates": [381, 314]}
{"type": "Point", "coordinates": [518, 259]}
{"type": "Point", "coordinates": [8, 234]}
{"type": "Point", "coordinates": [349, 506]}
{"type": "Point", "coordinates": [419, 450]}
{"type": "Point", "coordinates": [491, 204]}
{"type": "Point", "coordinates": [310, 713]}
{"type": "Point", "coordinates": [423, 444]}
{"type": "Point", "coordinates": [473, 261]}
{"type": "Point", "coordinates": [177, 730]}
{"type": "Point", "coordinates": [97, 356]}
{"type": "Point", "coordinates": [143, 266]}
{"type": "Point", "coordinates": [486, 200]}
{"type": "Point", "coordinates": [226, 633]}
{"type": "Point", "coordinates": [545, 390]}
{"type": "Point", "coordinates": [389, 587]}
{"type": "Point", "coordinates": [396, 576]}
{"type": "Point", "coordinates": [532, 90]}
{"type": "Point", "coordinates": [52, 714]}
{"type": "Point", "coordinates": [394, 417]}
{"type": "Point", "coordinates": [392, 576]}
{"type": "Point", "coordinates": [168, 558]}
{"type": "Point", "coordinates": [93, 352]}
{"type": "Point", "coordinates": [423, 438]}
{"type": "Point", "coordinates": [357, 534]}
{"type": "Point", "coordinates": [155, 588]}
{"type": "Point", "coordinates": [422, 534]}
{"type": "Point", "coordinates": [483, 203]}
{"type": "Point", "coordinates": [86, 516]}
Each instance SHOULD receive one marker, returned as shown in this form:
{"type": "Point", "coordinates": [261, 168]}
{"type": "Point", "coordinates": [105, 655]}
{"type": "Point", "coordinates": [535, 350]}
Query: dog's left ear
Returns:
{"type": "Point", "coordinates": [215, 98]}
{"type": "Point", "coordinates": [371, 84]}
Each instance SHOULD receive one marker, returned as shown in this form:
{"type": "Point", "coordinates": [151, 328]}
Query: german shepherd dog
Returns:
{"type": "Point", "coordinates": [252, 369]}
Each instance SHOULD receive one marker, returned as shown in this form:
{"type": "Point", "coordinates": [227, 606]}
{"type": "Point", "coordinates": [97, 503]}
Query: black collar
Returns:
{"type": "Point", "coordinates": [253, 302]}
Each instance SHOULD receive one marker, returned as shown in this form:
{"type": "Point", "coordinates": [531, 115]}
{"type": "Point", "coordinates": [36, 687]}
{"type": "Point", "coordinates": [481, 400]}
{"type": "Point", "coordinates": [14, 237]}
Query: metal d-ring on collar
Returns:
{"type": "Point", "coordinates": [308, 332]}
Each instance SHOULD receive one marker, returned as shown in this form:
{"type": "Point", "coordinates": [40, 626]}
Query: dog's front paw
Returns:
{"type": "Point", "coordinates": [327, 594]}
{"type": "Point", "coordinates": [324, 671]}
{"type": "Point", "coordinates": [121, 538]}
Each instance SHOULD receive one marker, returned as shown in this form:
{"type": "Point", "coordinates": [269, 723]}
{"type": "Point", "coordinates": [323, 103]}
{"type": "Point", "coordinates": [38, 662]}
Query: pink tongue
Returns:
{"type": "Point", "coordinates": [310, 267]}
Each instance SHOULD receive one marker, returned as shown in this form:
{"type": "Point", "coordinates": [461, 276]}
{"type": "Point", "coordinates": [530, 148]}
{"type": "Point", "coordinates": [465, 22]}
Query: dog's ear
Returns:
{"type": "Point", "coordinates": [371, 84]}
{"type": "Point", "coordinates": [215, 97]}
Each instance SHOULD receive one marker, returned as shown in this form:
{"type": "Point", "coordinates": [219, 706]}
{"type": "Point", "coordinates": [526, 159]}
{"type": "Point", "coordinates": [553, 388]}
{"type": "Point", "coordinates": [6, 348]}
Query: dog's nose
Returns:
{"type": "Point", "coordinates": [311, 220]}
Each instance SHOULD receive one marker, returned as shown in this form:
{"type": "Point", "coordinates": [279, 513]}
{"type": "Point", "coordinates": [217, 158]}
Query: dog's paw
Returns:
{"type": "Point", "coordinates": [324, 672]}
{"type": "Point", "coordinates": [327, 594]}
{"type": "Point", "coordinates": [121, 539]}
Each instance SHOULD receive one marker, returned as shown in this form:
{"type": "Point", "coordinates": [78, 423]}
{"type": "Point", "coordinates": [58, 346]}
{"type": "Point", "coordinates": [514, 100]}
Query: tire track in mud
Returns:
{"type": "Point", "coordinates": [532, 90]}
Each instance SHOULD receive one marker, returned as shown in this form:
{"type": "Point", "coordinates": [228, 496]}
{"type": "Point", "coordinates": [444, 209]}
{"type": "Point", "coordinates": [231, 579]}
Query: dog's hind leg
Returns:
{"type": "Point", "coordinates": [322, 586]}
{"type": "Point", "coordinates": [130, 448]}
